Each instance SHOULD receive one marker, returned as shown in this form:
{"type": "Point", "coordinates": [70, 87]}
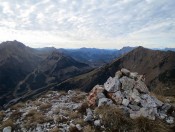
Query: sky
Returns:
{"type": "Point", "coordinates": [88, 23]}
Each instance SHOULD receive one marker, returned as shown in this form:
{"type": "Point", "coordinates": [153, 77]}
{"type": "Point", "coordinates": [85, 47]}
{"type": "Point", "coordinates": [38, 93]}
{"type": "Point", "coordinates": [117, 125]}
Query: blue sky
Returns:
{"type": "Point", "coordinates": [89, 23]}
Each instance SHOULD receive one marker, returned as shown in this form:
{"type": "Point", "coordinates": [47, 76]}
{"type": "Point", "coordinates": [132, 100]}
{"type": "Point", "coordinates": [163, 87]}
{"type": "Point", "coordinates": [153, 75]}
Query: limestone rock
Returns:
{"type": "Point", "coordinates": [100, 95]}
{"type": "Point", "coordinates": [133, 75]}
{"type": "Point", "coordinates": [134, 114]}
{"type": "Point", "coordinates": [78, 126]}
{"type": "Point", "coordinates": [89, 111]}
{"type": "Point", "coordinates": [117, 97]}
{"type": "Point", "coordinates": [127, 83]}
{"type": "Point", "coordinates": [97, 123]}
{"type": "Point", "coordinates": [165, 107]}
{"type": "Point", "coordinates": [125, 102]}
{"type": "Point", "coordinates": [162, 115]}
{"type": "Point", "coordinates": [141, 87]}
{"type": "Point", "coordinates": [70, 92]}
{"type": "Point", "coordinates": [112, 84]}
{"type": "Point", "coordinates": [88, 118]}
{"type": "Point", "coordinates": [170, 120]}
{"type": "Point", "coordinates": [148, 101]}
{"type": "Point", "coordinates": [92, 98]}
{"type": "Point", "coordinates": [118, 74]}
{"type": "Point", "coordinates": [125, 71]}
{"type": "Point", "coordinates": [7, 129]}
{"type": "Point", "coordinates": [134, 107]}
{"type": "Point", "coordinates": [104, 101]}
{"type": "Point", "coordinates": [135, 95]}
{"type": "Point", "coordinates": [158, 102]}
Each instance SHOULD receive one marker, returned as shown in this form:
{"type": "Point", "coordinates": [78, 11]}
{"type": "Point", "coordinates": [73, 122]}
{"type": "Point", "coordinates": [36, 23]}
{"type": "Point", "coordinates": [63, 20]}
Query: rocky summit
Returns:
{"type": "Point", "coordinates": [128, 91]}
{"type": "Point", "coordinates": [122, 104]}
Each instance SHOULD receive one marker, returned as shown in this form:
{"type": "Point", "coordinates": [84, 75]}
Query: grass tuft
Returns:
{"type": "Point", "coordinates": [143, 124]}
{"type": "Point", "coordinates": [113, 118]}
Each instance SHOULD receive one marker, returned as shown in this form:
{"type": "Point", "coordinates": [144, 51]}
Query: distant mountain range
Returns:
{"type": "Point", "coordinates": [157, 66]}
{"type": "Point", "coordinates": [25, 71]}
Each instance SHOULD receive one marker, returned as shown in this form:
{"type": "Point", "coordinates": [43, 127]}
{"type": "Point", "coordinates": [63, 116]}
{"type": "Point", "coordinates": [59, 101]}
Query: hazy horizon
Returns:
{"type": "Point", "coordinates": [111, 24]}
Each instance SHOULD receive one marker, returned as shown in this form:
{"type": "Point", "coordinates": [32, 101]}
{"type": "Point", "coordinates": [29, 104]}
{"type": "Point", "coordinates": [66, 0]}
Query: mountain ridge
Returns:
{"type": "Point", "coordinates": [141, 60]}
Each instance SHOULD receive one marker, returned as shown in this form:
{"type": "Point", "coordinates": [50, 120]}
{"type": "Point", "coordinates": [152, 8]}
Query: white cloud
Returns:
{"type": "Point", "coordinates": [92, 23]}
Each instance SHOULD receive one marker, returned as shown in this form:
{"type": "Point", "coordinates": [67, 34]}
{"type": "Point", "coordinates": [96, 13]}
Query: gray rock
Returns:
{"type": "Point", "coordinates": [162, 115]}
{"type": "Point", "coordinates": [104, 101]}
{"type": "Point", "coordinates": [78, 126]}
{"type": "Point", "coordinates": [133, 75]}
{"type": "Point", "coordinates": [134, 114]}
{"type": "Point", "coordinates": [127, 83]}
{"type": "Point", "coordinates": [170, 120]}
{"type": "Point", "coordinates": [72, 125]}
{"type": "Point", "coordinates": [135, 95]}
{"type": "Point", "coordinates": [125, 102]}
{"type": "Point", "coordinates": [112, 84]}
{"type": "Point", "coordinates": [125, 71]}
{"type": "Point", "coordinates": [145, 112]}
{"type": "Point", "coordinates": [89, 111]}
{"type": "Point", "coordinates": [118, 74]}
{"type": "Point", "coordinates": [158, 102]}
{"type": "Point", "coordinates": [134, 107]}
{"type": "Point", "coordinates": [148, 112]}
{"type": "Point", "coordinates": [7, 129]}
{"type": "Point", "coordinates": [165, 107]}
{"type": "Point", "coordinates": [38, 128]}
{"type": "Point", "coordinates": [88, 118]}
{"type": "Point", "coordinates": [147, 101]}
{"type": "Point", "coordinates": [101, 95]}
{"type": "Point", "coordinates": [117, 97]}
{"type": "Point", "coordinates": [141, 87]}
{"type": "Point", "coordinates": [70, 92]}
{"type": "Point", "coordinates": [97, 123]}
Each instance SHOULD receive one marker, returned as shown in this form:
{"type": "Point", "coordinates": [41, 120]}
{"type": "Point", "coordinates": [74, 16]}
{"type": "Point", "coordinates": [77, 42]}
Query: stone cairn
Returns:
{"type": "Point", "coordinates": [128, 91]}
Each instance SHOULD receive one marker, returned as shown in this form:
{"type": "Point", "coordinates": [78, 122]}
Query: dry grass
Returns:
{"type": "Point", "coordinates": [62, 93]}
{"type": "Point", "coordinates": [143, 124]}
{"type": "Point", "coordinates": [159, 91]}
{"type": "Point", "coordinates": [37, 103]}
{"type": "Point", "coordinates": [55, 129]}
{"type": "Point", "coordinates": [80, 121]}
{"type": "Point", "coordinates": [74, 114]}
{"type": "Point", "coordinates": [50, 92]}
{"type": "Point", "coordinates": [61, 119]}
{"type": "Point", "coordinates": [45, 106]}
{"type": "Point", "coordinates": [16, 114]}
{"type": "Point", "coordinates": [35, 117]}
{"type": "Point", "coordinates": [57, 111]}
{"type": "Point", "coordinates": [88, 128]}
{"type": "Point", "coordinates": [8, 122]}
{"type": "Point", "coordinates": [171, 99]}
{"type": "Point", "coordinates": [1, 115]}
{"type": "Point", "coordinates": [113, 118]}
{"type": "Point", "coordinates": [78, 98]}
{"type": "Point", "coordinates": [159, 97]}
{"type": "Point", "coordinates": [73, 129]}
{"type": "Point", "coordinates": [83, 107]}
{"type": "Point", "coordinates": [17, 106]}
{"type": "Point", "coordinates": [164, 99]}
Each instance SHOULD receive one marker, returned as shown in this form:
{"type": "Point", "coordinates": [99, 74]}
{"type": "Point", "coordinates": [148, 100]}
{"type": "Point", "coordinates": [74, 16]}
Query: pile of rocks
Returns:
{"type": "Point", "coordinates": [128, 91]}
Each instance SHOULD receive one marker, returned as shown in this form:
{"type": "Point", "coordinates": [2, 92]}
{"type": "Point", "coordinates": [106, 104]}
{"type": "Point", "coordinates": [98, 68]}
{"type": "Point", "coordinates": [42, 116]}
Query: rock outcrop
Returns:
{"type": "Point", "coordinates": [128, 91]}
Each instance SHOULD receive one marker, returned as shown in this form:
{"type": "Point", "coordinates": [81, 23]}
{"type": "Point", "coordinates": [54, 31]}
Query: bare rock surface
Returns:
{"type": "Point", "coordinates": [128, 91]}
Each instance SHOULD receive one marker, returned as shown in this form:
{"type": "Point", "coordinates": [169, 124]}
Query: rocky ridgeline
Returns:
{"type": "Point", "coordinates": [76, 111]}
{"type": "Point", "coordinates": [128, 91]}
{"type": "Point", "coordinates": [52, 112]}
